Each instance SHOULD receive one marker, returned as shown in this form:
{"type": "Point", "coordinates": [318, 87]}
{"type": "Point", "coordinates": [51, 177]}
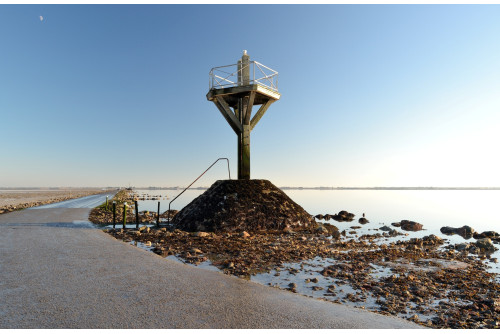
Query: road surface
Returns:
{"type": "Point", "coordinates": [83, 202]}
{"type": "Point", "coordinates": [58, 271]}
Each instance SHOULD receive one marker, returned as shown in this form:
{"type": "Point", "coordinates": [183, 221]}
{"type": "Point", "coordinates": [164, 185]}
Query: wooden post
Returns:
{"type": "Point", "coordinates": [124, 215]}
{"type": "Point", "coordinates": [136, 215]}
{"type": "Point", "coordinates": [158, 216]}
{"type": "Point", "coordinates": [114, 214]}
{"type": "Point", "coordinates": [244, 171]}
{"type": "Point", "coordinates": [245, 68]}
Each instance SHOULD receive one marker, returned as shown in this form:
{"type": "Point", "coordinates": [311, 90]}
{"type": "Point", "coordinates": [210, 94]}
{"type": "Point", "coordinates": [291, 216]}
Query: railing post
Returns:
{"type": "Point", "coordinates": [114, 214]}
{"type": "Point", "coordinates": [136, 215]}
{"type": "Point", "coordinates": [253, 79]}
{"type": "Point", "coordinates": [158, 216]}
{"type": "Point", "coordinates": [124, 215]}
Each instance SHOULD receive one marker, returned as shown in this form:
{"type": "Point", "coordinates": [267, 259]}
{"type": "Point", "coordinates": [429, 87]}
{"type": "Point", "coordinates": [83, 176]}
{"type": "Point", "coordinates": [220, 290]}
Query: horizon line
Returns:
{"type": "Point", "coordinates": [281, 187]}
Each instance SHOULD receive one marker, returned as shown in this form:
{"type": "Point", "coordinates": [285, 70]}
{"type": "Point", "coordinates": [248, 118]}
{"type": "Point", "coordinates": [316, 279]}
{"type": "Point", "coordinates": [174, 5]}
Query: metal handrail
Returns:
{"type": "Point", "coordinates": [227, 76]}
{"type": "Point", "coordinates": [228, 170]}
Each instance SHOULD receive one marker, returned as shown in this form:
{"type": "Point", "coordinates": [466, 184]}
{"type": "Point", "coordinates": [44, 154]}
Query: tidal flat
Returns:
{"type": "Point", "coordinates": [422, 280]}
{"type": "Point", "coordinates": [428, 278]}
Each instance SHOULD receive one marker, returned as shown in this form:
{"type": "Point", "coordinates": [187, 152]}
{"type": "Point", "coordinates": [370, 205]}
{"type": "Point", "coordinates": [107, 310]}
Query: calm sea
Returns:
{"type": "Point", "coordinates": [432, 208]}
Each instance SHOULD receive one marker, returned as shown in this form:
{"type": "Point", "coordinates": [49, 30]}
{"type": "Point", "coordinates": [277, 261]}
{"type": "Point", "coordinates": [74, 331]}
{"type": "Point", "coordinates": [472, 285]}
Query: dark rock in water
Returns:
{"type": "Point", "coordinates": [465, 231]}
{"type": "Point", "coordinates": [409, 225]}
{"type": "Point", "coordinates": [320, 217]}
{"type": "Point", "coordinates": [327, 217]}
{"type": "Point", "coordinates": [485, 245]}
{"type": "Point", "coordinates": [396, 224]}
{"type": "Point", "coordinates": [343, 216]}
{"type": "Point", "coordinates": [328, 229]}
{"type": "Point", "coordinates": [486, 234]}
{"type": "Point", "coordinates": [386, 228]}
{"type": "Point", "coordinates": [242, 205]}
{"type": "Point", "coordinates": [332, 230]}
{"type": "Point", "coordinates": [462, 246]}
{"type": "Point", "coordinates": [363, 220]}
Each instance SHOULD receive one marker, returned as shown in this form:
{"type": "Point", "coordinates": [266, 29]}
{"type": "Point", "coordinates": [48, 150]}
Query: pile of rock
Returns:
{"type": "Point", "coordinates": [243, 205]}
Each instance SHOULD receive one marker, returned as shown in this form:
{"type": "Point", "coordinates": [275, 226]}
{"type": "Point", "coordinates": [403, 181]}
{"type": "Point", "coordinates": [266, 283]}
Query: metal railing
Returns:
{"type": "Point", "coordinates": [228, 170]}
{"type": "Point", "coordinates": [230, 76]}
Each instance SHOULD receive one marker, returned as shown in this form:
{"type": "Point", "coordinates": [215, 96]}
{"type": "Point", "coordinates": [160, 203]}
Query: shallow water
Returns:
{"type": "Point", "coordinates": [432, 208]}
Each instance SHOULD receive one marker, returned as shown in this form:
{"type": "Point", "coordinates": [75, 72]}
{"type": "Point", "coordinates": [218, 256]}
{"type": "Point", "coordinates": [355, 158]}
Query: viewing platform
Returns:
{"type": "Point", "coordinates": [237, 80]}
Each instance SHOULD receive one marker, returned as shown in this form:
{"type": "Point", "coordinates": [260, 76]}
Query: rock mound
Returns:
{"type": "Point", "coordinates": [242, 205]}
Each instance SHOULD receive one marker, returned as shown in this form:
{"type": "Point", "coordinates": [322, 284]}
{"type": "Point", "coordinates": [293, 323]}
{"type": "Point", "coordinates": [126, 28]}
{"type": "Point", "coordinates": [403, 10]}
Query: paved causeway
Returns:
{"type": "Point", "coordinates": [57, 271]}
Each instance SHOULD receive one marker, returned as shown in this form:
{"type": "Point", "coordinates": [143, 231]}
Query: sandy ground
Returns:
{"type": "Point", "coordinates": [13, 199]}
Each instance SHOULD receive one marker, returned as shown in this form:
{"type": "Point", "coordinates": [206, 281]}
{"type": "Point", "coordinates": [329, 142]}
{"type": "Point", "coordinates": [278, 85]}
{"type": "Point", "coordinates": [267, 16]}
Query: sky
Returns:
{"type": "Point", "coordinates": [371, 95]}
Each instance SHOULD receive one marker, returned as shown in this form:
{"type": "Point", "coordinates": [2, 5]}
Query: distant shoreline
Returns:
{"type": "Point", "coordinates": [283, 188]}
{"type": "Point", "coordinates": [338, 188]}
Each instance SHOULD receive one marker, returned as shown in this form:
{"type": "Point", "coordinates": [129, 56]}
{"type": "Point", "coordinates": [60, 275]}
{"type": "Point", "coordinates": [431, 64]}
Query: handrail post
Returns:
{"type": "Point", "coordinates": [158, 216]}
{"type": "Point", "coordinates": [136, 215]}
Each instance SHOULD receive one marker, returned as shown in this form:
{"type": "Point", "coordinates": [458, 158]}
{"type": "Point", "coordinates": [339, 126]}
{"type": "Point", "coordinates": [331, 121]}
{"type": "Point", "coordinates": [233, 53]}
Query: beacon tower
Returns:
{"type": "Point", "coordinates": [235, 90]}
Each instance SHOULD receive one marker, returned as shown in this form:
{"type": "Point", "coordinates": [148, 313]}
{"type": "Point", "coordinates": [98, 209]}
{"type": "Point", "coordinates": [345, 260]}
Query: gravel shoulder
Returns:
{"type": "Point", "coordinates": [60, 272]}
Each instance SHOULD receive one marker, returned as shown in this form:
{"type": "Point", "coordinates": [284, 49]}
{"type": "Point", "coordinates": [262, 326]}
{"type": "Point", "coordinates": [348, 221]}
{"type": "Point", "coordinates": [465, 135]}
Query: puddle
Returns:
{"type": "Point", "coordinates": [427, 265]}
{"type": "Point", "coordinates": [309, 282]}
{"type": "Point", "coordinates": [78, 224]}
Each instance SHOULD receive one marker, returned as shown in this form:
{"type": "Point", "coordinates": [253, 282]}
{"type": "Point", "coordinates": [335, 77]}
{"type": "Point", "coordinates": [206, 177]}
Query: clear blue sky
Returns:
{"type": "Point", "coordinates": [372, 95]}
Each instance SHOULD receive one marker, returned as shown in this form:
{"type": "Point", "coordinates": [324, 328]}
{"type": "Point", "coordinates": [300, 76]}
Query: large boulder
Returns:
{"type": "Point", "coordinates": [487, 234]}
{"type": "Point", "coordinates": [485, 245]}
{"type": "Point", "coordinates": [409, 225]}
{"type": "Point", "coordinates": [243, 205]}
{"type": "Point", "coordinates": [465, 231]}
{"type": "Point", "coordinates": [343, 216]}
{"type": "Point", "coordinates": [363, 220]}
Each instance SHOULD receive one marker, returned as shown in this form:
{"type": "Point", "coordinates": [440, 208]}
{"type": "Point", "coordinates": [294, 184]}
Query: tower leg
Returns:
{"type": "Point", "coordinates": [240, 156]}
{"type": "Point", "coordinates": [244, 172]}
{"type": "Point", "coordinates": [244, 141]}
